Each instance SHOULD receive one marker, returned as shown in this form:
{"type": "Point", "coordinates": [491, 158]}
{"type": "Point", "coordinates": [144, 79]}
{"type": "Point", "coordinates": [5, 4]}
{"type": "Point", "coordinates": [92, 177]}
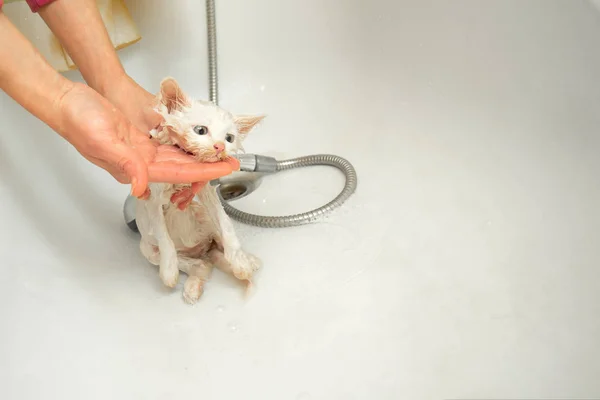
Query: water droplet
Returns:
{"type": "Point", "coordinates": [220, 308]}
{"type": "Point", "coordinates": [264, 200]}
{"type": "Point", "coordinates": [233, 327]}
{"type": "Point", "coordinates": [262, 88]}
{"type": "Point", "coordinates": [303, 396]}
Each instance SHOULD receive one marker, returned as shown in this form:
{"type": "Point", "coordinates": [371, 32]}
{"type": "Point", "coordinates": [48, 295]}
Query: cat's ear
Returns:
{"type": "Point", "coordinates": [245, 123]}
{"type": "Point", "coordinates": [171, 95]}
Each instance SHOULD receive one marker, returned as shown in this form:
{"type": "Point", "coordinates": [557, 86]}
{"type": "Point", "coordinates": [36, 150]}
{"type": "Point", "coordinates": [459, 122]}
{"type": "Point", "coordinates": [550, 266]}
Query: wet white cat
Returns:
{"type": "Point", "coordinates": [195, 238]}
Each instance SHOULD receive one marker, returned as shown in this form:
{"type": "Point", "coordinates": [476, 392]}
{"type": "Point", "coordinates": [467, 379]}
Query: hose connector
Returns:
{"type": "Point", "coordinates": [253, 163]}
{"type": "Point", "coordinates": [256, 163]}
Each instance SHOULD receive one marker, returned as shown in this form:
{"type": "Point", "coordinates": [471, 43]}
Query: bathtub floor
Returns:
{"type": "Point", "coordinates": [465, 266]}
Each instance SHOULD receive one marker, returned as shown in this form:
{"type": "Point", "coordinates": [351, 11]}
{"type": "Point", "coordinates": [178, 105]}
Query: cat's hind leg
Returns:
{"type": "Point", "coordinates": [217, 258]}
{"type": "Point", "coordinates": [198, 272]}
{"type": "Point", "coordinates": [242, 264]}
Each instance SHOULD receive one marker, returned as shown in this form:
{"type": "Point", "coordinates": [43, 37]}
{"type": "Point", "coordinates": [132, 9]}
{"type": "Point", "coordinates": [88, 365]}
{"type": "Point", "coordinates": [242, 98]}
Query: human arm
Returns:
{"type": "Point", "coordinates": [79, 27]}
{"type": "Point", "coordinates": [100, 132]}
{"type": "Point", "coordinates": [28, 78]}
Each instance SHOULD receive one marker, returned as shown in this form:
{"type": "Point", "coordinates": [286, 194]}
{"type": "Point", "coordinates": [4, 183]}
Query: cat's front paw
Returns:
{"type": "Point", "coordinates": [169, 270]}
{"type": "Point", "coordinates": [243, 265]}
{"type": "Point", "coordinates": [145, 195]}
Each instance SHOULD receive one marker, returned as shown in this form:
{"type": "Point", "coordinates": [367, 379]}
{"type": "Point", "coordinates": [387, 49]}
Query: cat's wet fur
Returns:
{"type": "Point", "coordinates": [182, 232]}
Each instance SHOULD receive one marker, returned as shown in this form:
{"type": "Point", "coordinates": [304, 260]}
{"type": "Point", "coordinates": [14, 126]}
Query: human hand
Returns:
{"type": "Point", "coordinates": [138, 105]}
{"type": "Point", "coordinates": [183, 197]}
{"type": "Point", "coordinates": [105, 137]}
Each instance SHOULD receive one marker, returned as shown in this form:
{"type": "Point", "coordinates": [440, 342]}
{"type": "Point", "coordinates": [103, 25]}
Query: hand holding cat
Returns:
{"type": "Point", "coordinates": [109, 121]}
{"type": "Point", "coordinates": [105, 137]}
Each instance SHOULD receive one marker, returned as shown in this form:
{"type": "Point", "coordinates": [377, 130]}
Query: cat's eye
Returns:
{"type": "Point", "coordinates": [201, 130]}
{"type": "Point", "coordinates": [230, 138]}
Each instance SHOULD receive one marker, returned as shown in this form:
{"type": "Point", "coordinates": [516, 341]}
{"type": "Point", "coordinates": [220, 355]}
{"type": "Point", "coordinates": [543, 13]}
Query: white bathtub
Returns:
{"type": "Point", "coordinates": [465, 266]}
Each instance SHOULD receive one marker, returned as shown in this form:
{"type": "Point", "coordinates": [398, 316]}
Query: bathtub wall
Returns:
{"type": "Point", "coordinates": [465, 266]}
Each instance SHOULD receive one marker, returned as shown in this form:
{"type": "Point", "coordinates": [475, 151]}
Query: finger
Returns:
{"type": "Point", "coordinates": [180, 196]}
{"type": "Point", "coordinates": [169, 172]}
{"type": "Point", "coordinates": [183, 205]}
{"type": "Point", "coordinates": [146, 194]}
{"type": "Point", "coordinates": [197, 186]}
{"type": "Point", "coordinates": [168, 153]}
{"type": "Point", "coordinates": [183, 198]}
{"type": "Point", "coordinates": [168, 148]}
{"type": "Point", "coordinates": [131, 163]}
{"type": "Point", "coordinates": [173, 154]}
{"type": "Point", "coordinates": [155, 119]}
{"type": "Point", "coordinates": [234, 162]}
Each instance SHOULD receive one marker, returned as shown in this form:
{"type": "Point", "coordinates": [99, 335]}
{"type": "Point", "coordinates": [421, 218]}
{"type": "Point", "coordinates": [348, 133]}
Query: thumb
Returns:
{"type": "Point", "coordinates": [131, 163]}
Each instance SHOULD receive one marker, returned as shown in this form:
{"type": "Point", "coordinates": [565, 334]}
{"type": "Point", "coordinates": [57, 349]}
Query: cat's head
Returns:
{"type": "Point", "coordinates": [198, 127]}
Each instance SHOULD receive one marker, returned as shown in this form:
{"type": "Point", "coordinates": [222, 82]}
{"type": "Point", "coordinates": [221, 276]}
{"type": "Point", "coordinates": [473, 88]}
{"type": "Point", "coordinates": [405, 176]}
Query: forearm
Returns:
{"type": "Point", "coordinates": [79, 27]}
{"type": "Point", "coordinates": [28, 78]}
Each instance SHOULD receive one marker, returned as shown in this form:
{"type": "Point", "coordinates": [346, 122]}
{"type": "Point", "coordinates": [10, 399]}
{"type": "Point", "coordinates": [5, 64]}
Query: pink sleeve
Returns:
{"type": "Point", "coordinates": [36, 4]}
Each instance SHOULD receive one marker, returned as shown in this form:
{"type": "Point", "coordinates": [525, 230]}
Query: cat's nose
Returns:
{"type": "Point", "coordinates": [219, 147]}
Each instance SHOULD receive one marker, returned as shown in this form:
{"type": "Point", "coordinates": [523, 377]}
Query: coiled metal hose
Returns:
{"type": "Point", "coordinates": [309, 216]}
{"type": "Point", "coordinates": [255, 163]}
{"type": "Point", "coordinates": [320, 159]}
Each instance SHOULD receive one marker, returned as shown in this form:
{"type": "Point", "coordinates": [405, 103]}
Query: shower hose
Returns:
{"type": "Point", "coordinates": [264, 164]}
